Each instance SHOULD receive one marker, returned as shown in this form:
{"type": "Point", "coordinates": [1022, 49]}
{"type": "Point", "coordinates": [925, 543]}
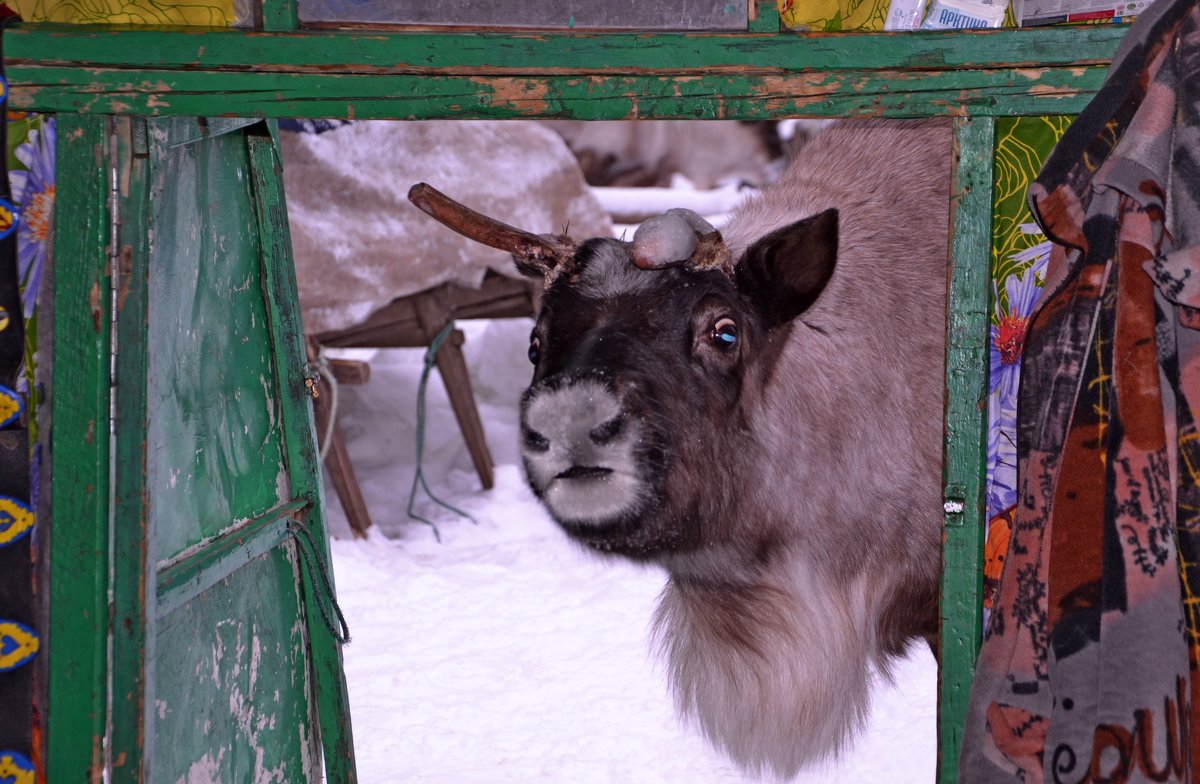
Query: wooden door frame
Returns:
{"type": "Point", "coordinates": [282, 71]}
{"type": "Point", "coordinates": [104, 592]}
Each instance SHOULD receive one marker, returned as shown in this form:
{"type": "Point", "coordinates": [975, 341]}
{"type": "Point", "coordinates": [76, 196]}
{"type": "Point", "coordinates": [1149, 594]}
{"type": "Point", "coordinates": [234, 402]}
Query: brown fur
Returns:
{"type": "Point", "coordinates": [850, 461]}
{"type": "Point", "coordinates": [787, 473]}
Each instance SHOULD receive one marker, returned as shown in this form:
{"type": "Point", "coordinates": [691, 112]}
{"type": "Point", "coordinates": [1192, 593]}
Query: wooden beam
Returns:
{"type": "Point", "coordinates": [283, 307]}
{"type": "Point", "coordinates": [134, 624]}
{"type": "Point", "coordinates": [964, 461]}
{"type": "Point", "coordinates": [200, 567]}
{"type": "Point", "coordinates": [1064, 90]}
{"type": "Point", "coordinates": [427, 75]}
{"type": "Point", "coordinates": [546, 53]}
{"type": "Point", "coordinates": [79, 459]}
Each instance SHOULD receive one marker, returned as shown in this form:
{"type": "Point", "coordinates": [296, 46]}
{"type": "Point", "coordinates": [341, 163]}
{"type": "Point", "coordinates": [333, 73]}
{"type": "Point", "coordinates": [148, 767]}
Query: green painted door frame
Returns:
{"type": "Point", "coordinates": [284, 71]}
{"type": "Point", "coordinates": [189, 615]}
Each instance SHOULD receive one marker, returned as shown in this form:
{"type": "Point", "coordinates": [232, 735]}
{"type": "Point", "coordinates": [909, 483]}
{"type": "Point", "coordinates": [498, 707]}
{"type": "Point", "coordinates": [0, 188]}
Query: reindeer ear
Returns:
{"type": "Point", "coordinates": [785, 271]}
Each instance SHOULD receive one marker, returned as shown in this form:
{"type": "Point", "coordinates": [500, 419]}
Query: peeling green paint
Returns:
{"type": "Point", "coordinates": [586, 76]}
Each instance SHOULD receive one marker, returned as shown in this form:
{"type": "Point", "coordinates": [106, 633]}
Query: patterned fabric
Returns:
{"type": "Point", "coordinates": [1019, 255]}
{"type": "Point", "coordinates": [1089, 669]}
{"type": "Point", "coordinates": [31, 143]}
{"type": "Point", "coordinates": [834, 15]}
{"type": "Point", "coordinates": [19, 642]}
{"type": "Point", "coordinates": [209, 13]}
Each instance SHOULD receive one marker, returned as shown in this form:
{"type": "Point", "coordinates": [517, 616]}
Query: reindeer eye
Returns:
{"type": "Point", "coordinates": [535, 350]}
{"type": "Point", "coordinates": [724, 334]}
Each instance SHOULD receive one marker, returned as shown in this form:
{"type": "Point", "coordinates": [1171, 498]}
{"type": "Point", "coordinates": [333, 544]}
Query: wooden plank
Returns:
{"type": "Point", "coordinates": [280, 15]}
{"type": "Point", "coordinates": [395, 325]}
{"type": "Point", "coordinates": [264, 93]}
{"type": "Point", "coordinates": [133, 634]}
{"type": "Point", "coordinates": [964, 460]}
{"type": "Point", "coordinates": [511, 54]}
{"type": "Point", "coordinates": [232, 684]}
{"type": "Point", "coordinates": [339, 469]}
{"type": "Point", "coordinates": [213, 425]}
{"type": "Point", "coordinates": [181, 131]}
{"type": "Point", "coordinates": [283, 308]}
{"type": "Point", "coordinates": [351, 372]}
{"type": "Point", "coordinates": [198, 568]}
{"type": "Point", "coordinates": [610, 76]}
{"type": "Point", "coordinates": [79, 460]}
{"type": "Point", "coordinates": [228, 685]}
{"type": "Point", "coordinates": [764, 17]}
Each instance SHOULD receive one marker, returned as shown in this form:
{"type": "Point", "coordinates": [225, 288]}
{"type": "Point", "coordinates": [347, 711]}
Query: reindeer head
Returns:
{"type": "Point", "coordinates": [651, 360]}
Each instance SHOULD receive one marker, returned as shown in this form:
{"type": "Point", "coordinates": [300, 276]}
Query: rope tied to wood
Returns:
{"type": "Point", "coordinates": [419, 473]}
{"type": "Point", "coordinates": [324, 370]}
{"type": "Point", "coordinates": [314, 559]}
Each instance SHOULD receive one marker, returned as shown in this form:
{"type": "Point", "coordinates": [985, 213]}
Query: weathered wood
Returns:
{"type": "Point", "coordinates": [512, 54]}
{"type": "Point", "coordinates": [233, 681]}
{"type": "Point", "coordinates": [197, 391]}
{"type": "Point", "coordinates": [214, 430]}
{"type": "Point", "coordinates": [283, 309]}
{"type": "Point", "coordinates": [964, 459]}
{"type": "Point", "coordinates": [339, 469]}
{"type": "Point", "coordinates": [132, 585]}
{"type": "Point", "coordinates": [422, 75]}
{"type": "Point", "coordinates": [748, 96]}
{"type": "Point", "coordinates": [79, 460]}
{"type": "Point", "coordinates": [185, 577]}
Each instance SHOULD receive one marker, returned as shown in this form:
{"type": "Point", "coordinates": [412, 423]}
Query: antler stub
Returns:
{"type": "Point", "coordinates": [680, 237]}
{"type": "Point", "coordinates": [535, 254]}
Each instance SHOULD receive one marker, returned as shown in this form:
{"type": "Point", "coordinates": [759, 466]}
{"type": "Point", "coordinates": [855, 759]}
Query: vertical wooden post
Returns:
{"type": "Point", "coordinates": [76, 553]}
{"type": "Point", "coordinates": [280, 16]}
{"type": "Point", "coordinates": [764, 16]}
{"type": "Point", "coordinates": [964, 458]}
{"type": "Point", "coordinates": [337, 464]}
{"type": "Point", "coordinates": [133, 638]}
{"type": "Point", "coordinates": [279, 278]}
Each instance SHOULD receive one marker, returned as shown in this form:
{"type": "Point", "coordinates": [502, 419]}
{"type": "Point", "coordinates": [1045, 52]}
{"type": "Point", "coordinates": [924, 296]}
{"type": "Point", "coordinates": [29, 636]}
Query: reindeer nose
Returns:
{"type": "Point", "coordinates": [534, 441]}
{"type": "Point", "coordinates": [603, 433]}
{"type": "Point", "coordinates": [572, 419]}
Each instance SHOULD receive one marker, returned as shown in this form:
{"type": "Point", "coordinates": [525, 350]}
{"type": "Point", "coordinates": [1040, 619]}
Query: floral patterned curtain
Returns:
{"type": "Point", "coordinates": [208, 13]}
{"type": "Point", "coordinates": [30, 164]}
{"type": "Point", "coordinates": [1019, 255]}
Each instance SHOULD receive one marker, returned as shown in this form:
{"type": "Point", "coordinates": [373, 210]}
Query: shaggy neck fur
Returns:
{"type": "Point", "coordinates": [777, 671]}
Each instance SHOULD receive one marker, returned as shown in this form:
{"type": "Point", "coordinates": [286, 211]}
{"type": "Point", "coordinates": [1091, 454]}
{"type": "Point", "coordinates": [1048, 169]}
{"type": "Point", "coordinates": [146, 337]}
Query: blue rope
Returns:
{"type": "Point", "coordinates": [419, 474]}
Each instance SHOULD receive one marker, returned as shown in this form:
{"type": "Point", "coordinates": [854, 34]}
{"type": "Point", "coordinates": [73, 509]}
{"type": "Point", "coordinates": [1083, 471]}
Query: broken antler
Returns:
{"type": "Point", "coordinates": [535, 254]}
{"type": "Point", "coordinates": [680, 238]}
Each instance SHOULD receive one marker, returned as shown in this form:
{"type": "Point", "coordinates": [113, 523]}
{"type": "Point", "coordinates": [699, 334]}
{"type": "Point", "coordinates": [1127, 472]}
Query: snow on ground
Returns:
{"type": "Point", "coordinates": [505, 653]}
